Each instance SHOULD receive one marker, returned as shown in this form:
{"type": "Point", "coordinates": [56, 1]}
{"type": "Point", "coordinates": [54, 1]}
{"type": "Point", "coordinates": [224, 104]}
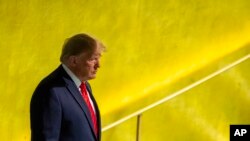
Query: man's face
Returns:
{"type": "Point", "coordinates": [86, 65]}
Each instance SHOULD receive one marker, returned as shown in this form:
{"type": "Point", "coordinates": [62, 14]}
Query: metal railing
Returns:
{"type": "Point", "coordinates": [138, 113]}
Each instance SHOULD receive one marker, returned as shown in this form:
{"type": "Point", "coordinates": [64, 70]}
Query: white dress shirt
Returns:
{"type": "Point", "coordinates": [77, 82]}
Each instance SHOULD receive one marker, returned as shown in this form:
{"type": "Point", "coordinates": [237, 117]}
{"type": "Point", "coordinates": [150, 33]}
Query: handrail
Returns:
{"type": "Point", "coordinates": [173, 95]}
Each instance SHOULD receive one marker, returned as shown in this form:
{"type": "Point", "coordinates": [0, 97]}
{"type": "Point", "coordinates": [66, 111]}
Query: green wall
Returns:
{"type": "Point", "coordinates": [150, 44]}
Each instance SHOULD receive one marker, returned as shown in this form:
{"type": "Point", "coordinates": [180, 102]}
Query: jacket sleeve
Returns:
{"type": "Point", "coordinates": [45, 116]}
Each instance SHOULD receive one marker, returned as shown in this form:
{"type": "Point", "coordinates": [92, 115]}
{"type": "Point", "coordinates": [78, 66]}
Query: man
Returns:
{"type": "Point", "coordinates": [62, 107]}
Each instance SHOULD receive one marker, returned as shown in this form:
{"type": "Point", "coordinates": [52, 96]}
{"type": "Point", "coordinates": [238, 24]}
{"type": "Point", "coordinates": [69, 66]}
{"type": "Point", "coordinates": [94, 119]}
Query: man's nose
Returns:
{"type": "Point", "coordinates": [97, 65]}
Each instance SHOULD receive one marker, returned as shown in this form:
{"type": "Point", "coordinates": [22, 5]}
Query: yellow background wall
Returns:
{"type": "Point", "coordinates": [150, 43]}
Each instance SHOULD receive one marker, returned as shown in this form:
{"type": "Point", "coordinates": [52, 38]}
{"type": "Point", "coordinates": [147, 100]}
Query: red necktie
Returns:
{"type": "Point", "coordinates": [91, 110]}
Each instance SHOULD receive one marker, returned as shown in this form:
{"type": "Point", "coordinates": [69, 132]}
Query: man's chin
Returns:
{"type": "Point", "coordinates": [92, 77]}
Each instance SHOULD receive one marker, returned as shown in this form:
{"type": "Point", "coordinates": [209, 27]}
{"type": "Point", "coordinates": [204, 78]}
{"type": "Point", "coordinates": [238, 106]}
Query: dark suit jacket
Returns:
{"type": "Point", "coordinates": [59, 113]}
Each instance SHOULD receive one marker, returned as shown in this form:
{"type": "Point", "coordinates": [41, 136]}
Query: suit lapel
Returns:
{"type": "Point", "coordinates": [77, 96]}
{"type": "Point", "coordinates": [96, 110]}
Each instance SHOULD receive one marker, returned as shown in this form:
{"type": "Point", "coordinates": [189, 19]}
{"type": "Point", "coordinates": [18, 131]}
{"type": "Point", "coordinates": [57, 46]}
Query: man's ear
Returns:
{"type": "Point", "coordinates": [72, 61]}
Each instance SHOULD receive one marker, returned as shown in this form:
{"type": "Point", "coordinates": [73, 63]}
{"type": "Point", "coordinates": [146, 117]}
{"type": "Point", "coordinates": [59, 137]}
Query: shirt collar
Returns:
{"type": "Point", "coordinates": [72, 75]}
